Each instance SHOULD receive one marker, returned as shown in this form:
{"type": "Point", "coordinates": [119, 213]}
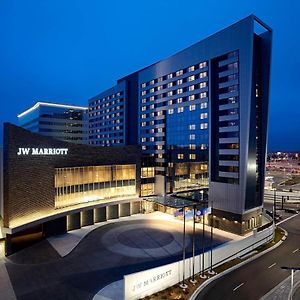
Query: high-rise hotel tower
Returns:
{"type": "Point", "coordinates": [200, 117]}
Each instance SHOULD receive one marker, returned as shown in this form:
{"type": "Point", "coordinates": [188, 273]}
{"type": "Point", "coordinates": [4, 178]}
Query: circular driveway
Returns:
{"type": "Point", "coordinates": [144, 240]}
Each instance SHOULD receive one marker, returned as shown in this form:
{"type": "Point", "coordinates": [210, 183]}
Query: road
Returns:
{"type": "Point", "coordinates": [256, 278]}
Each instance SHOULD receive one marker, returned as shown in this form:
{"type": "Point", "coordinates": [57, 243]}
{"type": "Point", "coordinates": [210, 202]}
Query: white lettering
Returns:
{"type": "Point", "coordinates": [42, 151]}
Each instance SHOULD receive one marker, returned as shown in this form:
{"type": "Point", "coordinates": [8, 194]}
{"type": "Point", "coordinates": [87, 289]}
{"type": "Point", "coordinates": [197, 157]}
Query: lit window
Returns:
{"type": "Point", "coordinates": [202, 84]}
{"type": "Point", "coordinates": [203, 95]}
{"type": "Point", "coordinates": [191, 97]}
{"type": "Point", "coordinates": [159, 147]}
{"type": "Point", "coordinates": [203, 126]}
{"type": "Point", "coordinates": [143, 139]}
{"type": "Point", "coordinates": [151, 98]}
{"type": "Point", "coordinates": [144, 116]}
{"type": "Point", "coordinates": [170, 93]}
{"type": "Point", "coordinates": [160, 130]}
{"type": "Point", "coordinates": [191, 68]}
{"type": "Point", "coordinates": [170, 76]}
{"type": "Point", "coordinates": [159, 79]}
{"type": "Point", "coordinates": [180, 81]}
{"type": "Point", "coordinates": [179, 91]}
{"type": "Point", "coordinates": [152, 81]}
{"type": "Point", "coordinates": [192, 146]}
{"type": "Point", "coordinates": [179, 100]}
{"type": "Point", "coordinates": [192, 136]}
{"type": "Point", "coordinates": [192, 107]}
{"type": "Point", "coordinates": [171, 111]}
{"type": "Point", "coordinates": [152, 106]}
{"type": "Point", "coordinates": [203, 74]}
{"type": "Point", "coordinates": [143, 93]}
{"type": "Point", "coordinates": [144, 85]}
{"type": "Point", "coordinates": [160, 113]}
{"type": "Point", "coordinates": [160, 87]}
{"type": "Point", "coordinates": [192, 127]}
{"type": "Point", "coordinates": [202, 65]}
{"type": "Point", "coordinates": [191, 88]}
{"type": "Point", "coordinates": [180, 109]}
{"type": "Point", "coordinates": [191, 78]}
{"type": "Point", "coordinates": [170, 102]}
{"type": "Point", "coordinates": [180, 156]}
{"type": "Point", "coordinates": [170, 84]}
{"type": "Point", "coordinates": [192, 156]}
{"type": "Point", "coordinates": [180, 72]}
{"type": "Point", "coordinates": [143, 124]}
{"type": "Point", "coordinates": [203, 105]}
{"type": "Point", "coordinates": [203, 116]}
{"type": "Point", "coordinates": [203, 147]}
{"type": "Point", "coordinates": [152, 90]}
{"type": "Point", "coordinates": [143, 108]}
{"type": "Point", "coordinates": [152, 139]}
{"type": "Point", "coordinates": [144, 147]}
{"type": "Point", "coordinates": [159, 155]}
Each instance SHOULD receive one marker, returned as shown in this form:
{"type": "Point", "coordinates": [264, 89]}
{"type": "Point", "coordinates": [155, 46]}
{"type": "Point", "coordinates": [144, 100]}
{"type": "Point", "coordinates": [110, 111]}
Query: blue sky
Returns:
{"type": "Point", "coordinates": [67, 51]}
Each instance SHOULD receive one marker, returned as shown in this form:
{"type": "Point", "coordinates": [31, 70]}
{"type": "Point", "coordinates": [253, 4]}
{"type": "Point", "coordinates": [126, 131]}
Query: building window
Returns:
{"type": "Point", "coordinates": [151, 139]}
{"type": "Point", "coordinates": [144, 100]}
{"type": "Point", "coordinates": [170, 102]}
{"type": "Point", "coordinates": [179, 91]}
{"type": "Point", "coordinates": [192, 107]}
{"type": "Point", "coordinates": [191, 68]}
{"type": "Point", "coordinates": [180, 81]}
{"type": "Point", "coordinates": [192, 127]}
{"type": "Point", "coordinates": [171, 111]}
{"type": "Point", "coordinates": [202, 85]}
{"type": "Point", "coordinates": [203, 74]}
{"type": "Point", "coordinates": [170, 84]}
{"type": "Point", "coordinates": [152, 81]}
{"type": "Point", "coordinates": [191, 78]}
{"type": "Point", "coordinates": [191, 88]}
{"type": "Point", "coordinates": [144, 116]}
{"type": "Point", "coordinates": [143, 124]}
{"type": "Point", "coordinates": [193, 156]}
{"type": "Point", "coordinates": [203, 147]}
{"type": "Point", "coordinates": [203, 116]}
{"type": "Point", "coordinates": [180, 72]}
{"type": "Point", "coordinates": [160, 130]}
{"type": "Point", "coordinates": [202, 65]}
{"type": "Point", "coordinates": [170, 93]}
{"type": "Point", "coordinates": [179, 100]}
{"type": "Point", "coordinates": [192, 137]}
{"type": "Point", "coordinates": [160, 113]}
{"type": "Point", "coordinates": [192, 147]}
{"type": "Point", "coordinates": [143, 108]}
{"type": "Point", "coordinates": [152, 90]}
{"type": "Point", "coordinates": [191, 97]}
{"type": "Point", "coordinates": [170, 76]}
{"type": "Point", "coordinates": [203, 126]}
{"type": "Point", "coordinates": [180, 109]}
{"type": "Point", "coordinates": [143, 93]}
{"type": "Point", "coordinates": [203, 95]}
{"type": "Point", "coordinates": [180, 156]}
{"type": "Point", "coordinates": [151, 98]}
{"type": "Point", "coordinates": [203, 105]}
{"type": "Point", "coordinates": [144, 85]}
{"type": "Point", "coordinates": [143, 139]}
{"type": "Point", "coordinates": [159, 147]}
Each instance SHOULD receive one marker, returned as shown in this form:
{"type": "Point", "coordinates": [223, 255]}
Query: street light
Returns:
{"type": "Point", "coordinates": [292, 278]}
{"type": "Point", "coordinates": [203, 276]}
{"type": "Point", "coordinates": [211, 271]}
{"type": "Point", "coordinates": [183, 284]}
{"type": "Point", "coordinates": [193, 281]}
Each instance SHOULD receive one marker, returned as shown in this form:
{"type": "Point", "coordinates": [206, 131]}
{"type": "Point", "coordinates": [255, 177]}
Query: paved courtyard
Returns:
{"type": "Point", "coordinates": [102, 256]}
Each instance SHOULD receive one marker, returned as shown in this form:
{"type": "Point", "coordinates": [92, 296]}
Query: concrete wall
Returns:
{"type": "Point", "coordinates": [141, 284]}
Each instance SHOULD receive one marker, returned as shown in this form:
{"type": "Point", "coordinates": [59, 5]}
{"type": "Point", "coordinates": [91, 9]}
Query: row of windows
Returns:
{"type": "Point", "coordinates": [191, 156]}
{"type": "Point", "coordinates": [113, 128]}
{"type": "Point", "coordinates": [176, 83]}
{"type": "Point", "coordinates": [174, 74]}
{"type": "Point", "coordinates": [106, 143]}
{"type": "Point", "coordinates": [106, 105]}
{"type": "Point", "coordinates": [107, 98]}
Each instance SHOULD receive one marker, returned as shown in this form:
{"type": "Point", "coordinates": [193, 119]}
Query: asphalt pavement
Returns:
{"type": "Point", "coordinates": [255, 279]}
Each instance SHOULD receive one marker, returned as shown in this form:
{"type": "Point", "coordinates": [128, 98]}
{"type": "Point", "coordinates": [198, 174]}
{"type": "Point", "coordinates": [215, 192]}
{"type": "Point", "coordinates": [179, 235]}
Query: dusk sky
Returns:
{"type": "Point", "coordinates": [67, 51]}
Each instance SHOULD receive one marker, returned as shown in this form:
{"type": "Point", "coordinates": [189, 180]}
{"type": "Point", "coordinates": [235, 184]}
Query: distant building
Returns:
{"type": "Point", "coordinates": [200, 113]}
{"type": "Point", "coordinates": [59, 121]}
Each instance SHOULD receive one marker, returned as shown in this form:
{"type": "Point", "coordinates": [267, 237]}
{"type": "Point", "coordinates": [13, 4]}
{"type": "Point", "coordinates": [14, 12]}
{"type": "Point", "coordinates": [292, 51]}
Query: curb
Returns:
{"type": "Point", "coordinates": [210, 280]}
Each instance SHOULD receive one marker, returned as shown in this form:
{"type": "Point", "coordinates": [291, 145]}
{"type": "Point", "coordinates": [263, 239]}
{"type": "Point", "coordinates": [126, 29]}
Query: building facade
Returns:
{"type": "Point", "coordinates": [201, 118]}
{"type": "Point", "coordinates": [51, 186]}
{"type": "Point", "coordinates": [59, 121]}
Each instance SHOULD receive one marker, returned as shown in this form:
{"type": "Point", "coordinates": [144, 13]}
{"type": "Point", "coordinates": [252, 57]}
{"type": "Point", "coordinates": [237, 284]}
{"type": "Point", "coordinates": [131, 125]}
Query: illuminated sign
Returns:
{"type": "Point", "coordinates": [42, 151]}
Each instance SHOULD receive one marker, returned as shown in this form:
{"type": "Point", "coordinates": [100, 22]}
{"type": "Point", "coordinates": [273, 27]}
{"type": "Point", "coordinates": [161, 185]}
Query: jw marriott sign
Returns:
{"type": "Point", "coordinates": [42, 151]}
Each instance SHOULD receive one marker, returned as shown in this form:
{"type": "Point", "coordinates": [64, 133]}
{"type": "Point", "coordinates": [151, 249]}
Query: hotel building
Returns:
{"type": "Point", "coordinates": [201, 118]}
{"type": "Point", "coordinates": [59, 121]}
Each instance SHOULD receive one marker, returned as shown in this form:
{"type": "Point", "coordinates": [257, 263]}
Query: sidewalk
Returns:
{"type": "Point", "coordinates": [282, 290]}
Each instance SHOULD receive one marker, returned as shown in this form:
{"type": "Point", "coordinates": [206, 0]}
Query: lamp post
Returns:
{"type": "Point", "coordinates": [211, 271]}
{"type": "Point", "coordinates": [203, 276]}
{"type": "Point", "coordinates": [183, 285]}
{"type": "Point", "coordinates": [292, 278]}
{"type": "Point", "coordinates": [194, 218]}
{"type": "Point", "coordinates": [274, 206]}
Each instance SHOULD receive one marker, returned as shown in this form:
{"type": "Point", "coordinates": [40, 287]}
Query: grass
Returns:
{"type": "Point", "coordinates": [176, 292]}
